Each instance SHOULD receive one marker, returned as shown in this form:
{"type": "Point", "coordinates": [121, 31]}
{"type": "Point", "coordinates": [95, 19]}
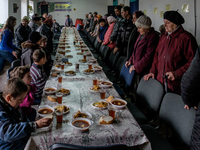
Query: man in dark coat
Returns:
{"type": "Point", "coordinates": [45, 30]}
{"type": "Point", "coordinates": [22, 32]}
{"type": "Point", "coordinates": [190, 85]}
{"type": "Point", "coordinates": [126, 26]}
{"type": "Point", "coordinates": [174, 52]}
{"type": "Point", "coordinates": [113, 36]}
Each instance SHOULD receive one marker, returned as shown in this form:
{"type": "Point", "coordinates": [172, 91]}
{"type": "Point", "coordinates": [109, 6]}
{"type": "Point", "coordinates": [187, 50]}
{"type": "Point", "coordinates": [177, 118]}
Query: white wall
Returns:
{"type": "Point", "coordinates": [4, 11]}
{"type": "Point", "coordinates": [124, 2]}
{"type": "Point", "coordinates": [24, 6]}
{"type": "Point", "coordinates": [161, 4]}
{"type": "Point", "coordinates": [10, 10]}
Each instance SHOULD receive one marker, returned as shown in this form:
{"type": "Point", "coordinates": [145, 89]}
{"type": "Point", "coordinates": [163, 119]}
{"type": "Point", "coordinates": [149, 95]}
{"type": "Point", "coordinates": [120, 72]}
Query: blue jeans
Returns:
{"type": "Point", "coordinates": [5, 55]}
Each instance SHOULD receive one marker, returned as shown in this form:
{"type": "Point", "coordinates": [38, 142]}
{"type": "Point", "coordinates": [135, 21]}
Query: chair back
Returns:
{"type": "Point", "coordinates": [8, 72]}
{"type": "Point", "coordinates": [180, 120]}
{"type": "Point", "coordinates": [150, 93]}
{"type": "Point", "coordinates": [126, 77]}
{"type": "Point", "coordinates": [61, 146]}
{"type": "Point", "coordinates": [96, 43]}
{"type": "Point", "coordinates": [113, 59]}
{"type": "Point", "coordinates": [16, 63]}
{"type": "Point", "coordinates": [101, 50]}
{"type": "Point", "coordinates": [106, 53]}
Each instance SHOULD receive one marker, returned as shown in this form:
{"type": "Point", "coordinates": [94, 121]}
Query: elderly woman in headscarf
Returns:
{"type": "Point", "coordinates": [144, 48]}
{"type": "Point", "coordinates": [174, 53]}
{"type": "Point", "coordinates": [111, 22]}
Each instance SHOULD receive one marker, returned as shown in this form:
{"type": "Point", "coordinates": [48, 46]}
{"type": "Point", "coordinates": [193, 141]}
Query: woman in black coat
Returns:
{"type": "Point", "coordinates": [190, 93]}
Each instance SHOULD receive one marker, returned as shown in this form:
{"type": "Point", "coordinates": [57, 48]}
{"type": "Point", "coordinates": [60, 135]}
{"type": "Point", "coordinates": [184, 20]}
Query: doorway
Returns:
{"type": "Point", "coordinates": [44, 9]}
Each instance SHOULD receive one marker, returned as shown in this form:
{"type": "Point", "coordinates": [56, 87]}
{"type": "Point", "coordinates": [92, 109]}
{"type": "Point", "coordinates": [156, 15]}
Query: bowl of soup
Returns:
{"type": "Point", "coordinates": [106, 84]}
{"type": "Point", "coordinates": [45, 110]}
{"type": "Point", "coordinates": [118, 103]}
{"type": "Point", "coordinates": [81, 124]}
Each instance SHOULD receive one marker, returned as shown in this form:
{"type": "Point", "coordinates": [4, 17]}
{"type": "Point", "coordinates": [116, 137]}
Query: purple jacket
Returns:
{"type": "Point", "coordinates": [29, 99]}
{"type": "Point", "coordinates": [66, 23]}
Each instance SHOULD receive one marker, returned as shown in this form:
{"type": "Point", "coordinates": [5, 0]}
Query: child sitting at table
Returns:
{"type": "Point", "coordinates": [14, 128]}
{"type": "Point", "coordinates": [37, 73]}
{"type": "Point", "coordinates": [23, 72]}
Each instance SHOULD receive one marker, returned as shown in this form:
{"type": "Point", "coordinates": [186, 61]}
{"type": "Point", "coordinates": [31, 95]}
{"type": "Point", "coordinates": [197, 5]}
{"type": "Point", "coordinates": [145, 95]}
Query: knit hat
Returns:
{"type": "Point", "coordinates": [174, 16]}
{"type": "Point", "coordinates": [144, 22]}
{"type": "Point", "coordinates": [25, 18]}
{"type": "Point", "coordinates": [35, 36]}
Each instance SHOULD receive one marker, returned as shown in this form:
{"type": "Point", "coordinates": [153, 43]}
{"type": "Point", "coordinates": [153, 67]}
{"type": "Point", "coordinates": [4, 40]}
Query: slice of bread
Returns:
{"type": "Point", "coordinates": [50, 116]}
{"type": "Point", "coordinates": [52, 98]}
{"type": "Point", "coordinates": [54, 74]}
{"type": "Point", "coordinates": [110, 98]}
{"type": "Point", "coordinates": [106, 120]}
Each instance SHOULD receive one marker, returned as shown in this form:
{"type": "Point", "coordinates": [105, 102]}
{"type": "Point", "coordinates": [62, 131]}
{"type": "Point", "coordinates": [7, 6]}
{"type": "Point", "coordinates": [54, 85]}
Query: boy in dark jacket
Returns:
{"type": "Point", "coordinates": [14, 128]}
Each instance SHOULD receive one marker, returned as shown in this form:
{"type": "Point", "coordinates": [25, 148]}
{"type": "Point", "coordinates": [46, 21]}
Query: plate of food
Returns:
{"type": "Point", "coordinates": [92, 60]}
{"type": "Point", "coordinates": [81, 124]}
{"type": "Point", "coordinates": [118, 103]}
{"type": "Point", "coordinates": [95, 88]}
{"type": "Point", "coordinates": [77, 46]}
{"type": "Point", "coordinates": [83, 60]}
{"type": "Point", "coordinates": [82, 114]}
{"type": "Point", "coordinates": [69, 56]}
{"type": "Point", "coordinates": [64, 91]}
{"type": "Point", "coordinates": [67, 51]}
{"type": "Point", "coordinates": [50, 90]}
{"type": "Point", "coordinates": [88, 54]}
{"type": "Point", "coordinates": [100, 105]}
{"type": "Point", "coordinates": [54, 75]}
{"type": "Point", "coordinates": [55, 71]}
{"type": "Point", "coordinates": [70, 73]}
{"type": "Point", "coordinates": [106, 84]}
{"type": "Point", "coordinates": [88, 71]}
{"type": "Point", "coordinates": [68, 46]}
{"type": "Point", "coordinates": [52, 98]}
{"type": "Point", "coordinates": [58, 65]}
{"type": "Point", "coordinates": [68, 64]}
{"type": "Point", "coordinates": [78, 49]}
{"type": "Point", "coordinates": [96, 68]}
{"type": "Point", "coordinates": [61, 108]}
{"type": "Point", "coordinates": [79, 53]}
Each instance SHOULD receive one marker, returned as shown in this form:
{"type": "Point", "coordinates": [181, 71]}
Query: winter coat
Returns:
{"type": "Point", "coordinates": [27, 52]}
{"type": "Point", "coordinates": [125, 29]}
{"type": "Point", "coordinates": [174, 53]}
{"type": "Point", "coordinates": [33, 25]}
{"type": "Point", "coordinates": [143, 53]}
{"type": "Point", "coordinates": [190, 85]}
{"type": "Point", "coordinates": [45, 30]}
{"type": "Point", "coordinates": [14, 128]}
{"type": "Point", "coordinates": [114, 34]}
{"type": "Point", "coordinates": [131, 42]}
{"type": "Point", "coordinates": [71, 23]}
{"type": "Point", "coordinates": [7, 42]}
{"type": "Point", "coordinates": [107, 37]}
{"type": "Point", "coordinates": [22, 34]}
{"type": "Point", "coordinates": [102, 32]}
{"type": "Point", "coordinates": [56, 27]}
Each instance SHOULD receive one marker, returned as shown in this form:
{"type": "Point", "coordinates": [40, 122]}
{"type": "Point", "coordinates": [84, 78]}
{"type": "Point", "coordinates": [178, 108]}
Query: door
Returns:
{"type": "Point", "coordinates": [44, 9]}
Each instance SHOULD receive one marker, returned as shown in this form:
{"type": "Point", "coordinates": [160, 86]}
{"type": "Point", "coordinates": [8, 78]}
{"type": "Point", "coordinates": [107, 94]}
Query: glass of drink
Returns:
{"type": "Point", "coordinates": [90, 65]}
{"type": "Point", "coordinates": [77, 66]}
{"type": "Point", "coordinates": [60, 79]}
{"type": "Point", "coordinates": [62, 66]}
{"type": "Point", "coordinates": [59, 116]}
{"type": "Point", "coordinates": [63, 53]}
{"type": "Point", "coordinates": [102, 93]}
{"type": "Point", "coordinates": [84, 56]}
{"type": "Point", "coordinates": [95, 81]}
{"type": "Point", "coordinates": [111, 111]}
{"type": "Point", "coordinates": [59, 96]}
{"type": "Point", "coordinates": [82, 50]}
{"type": "Point", "coordinates": [81, 42]}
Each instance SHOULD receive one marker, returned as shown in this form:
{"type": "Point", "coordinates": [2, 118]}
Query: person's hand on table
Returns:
{"type": "Point", "coordinates": [43, 122]}
{"type": "Point", "coordinates": [150, 75]}
{"type": "Point", "coordinates": [115, 50]}
{"type": "Point", "coordinates": [132, 68]}
{"type": "Point", "coordinates": [128, 63]}
{"type": "Point", "coordinates": [15, 54]}
{"type": "Point", "coordinates": [171, 76]}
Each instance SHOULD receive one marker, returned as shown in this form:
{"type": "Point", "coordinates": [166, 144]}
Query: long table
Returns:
{"type": "Point", "coordinates": [125, 129]}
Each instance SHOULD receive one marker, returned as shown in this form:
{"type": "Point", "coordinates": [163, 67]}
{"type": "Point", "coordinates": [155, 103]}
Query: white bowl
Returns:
{"type": "Point", "coordinates": [92, 60]}
{"type": "Point", "coordinates": [99, 108]}
{"type": "Point", "coordinates": [50, 92]}
{"type": "Point", "coordinates": [90, 122]}
{"type": "Point", "coordinates": [43, 107]}
{"type": "Point", "coordinates": [97, 69]}
{"type": "Point", "coordinates": [106, 86]}
{"type": "Point", "coordinates": [89, 116]}
{"type": "Point", "coordinates": [118, 106]}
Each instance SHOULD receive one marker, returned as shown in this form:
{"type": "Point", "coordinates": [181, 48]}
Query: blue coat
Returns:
{"type": "Point", "coordinates": [6, 42]}
{"type": "Point", "coordinates": [14, 129]}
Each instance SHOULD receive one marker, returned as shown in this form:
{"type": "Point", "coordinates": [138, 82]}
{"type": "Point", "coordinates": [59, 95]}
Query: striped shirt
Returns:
{"type": "Point", "coordinates": [38, 79]}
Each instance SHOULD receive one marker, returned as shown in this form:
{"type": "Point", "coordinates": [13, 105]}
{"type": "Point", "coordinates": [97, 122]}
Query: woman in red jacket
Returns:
{"type": "Point", "coordinates": [144, 48]}
{"type": "Point", "coordinates": [111, 21]}
{"type": "Point", "coordinates": [174, 53]}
